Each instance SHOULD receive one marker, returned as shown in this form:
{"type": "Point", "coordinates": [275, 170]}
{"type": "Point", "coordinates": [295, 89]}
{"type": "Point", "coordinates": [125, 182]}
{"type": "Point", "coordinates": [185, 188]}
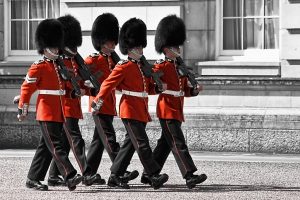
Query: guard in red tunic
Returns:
{"type": "Point", "coordinates": [44, 77]}
{"type": "Point", "coordinates": [170, 34]}
{"type": "Point", "coordinates": [105, 35]}
{"type": "Point", "coordinates": [72, 106]}
{"type": "Point", "coordinates": [128, 77]}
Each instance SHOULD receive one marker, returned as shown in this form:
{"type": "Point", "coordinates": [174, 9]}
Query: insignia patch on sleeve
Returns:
{"type": "Point", "coordinates": [29, 79]}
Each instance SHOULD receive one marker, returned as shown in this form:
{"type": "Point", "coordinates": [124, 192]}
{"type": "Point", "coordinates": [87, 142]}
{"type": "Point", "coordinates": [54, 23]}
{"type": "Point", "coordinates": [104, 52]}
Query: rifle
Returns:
{"type": "Point", "coordinates": [65, 75]}
{"type": "Point", "coordinates": [147, 69]}
{"type": "Point", "coordinates": [184, 70]}
{"type": "Point", "coordinates": [115, 57]}
{"type": "Point", "coordinates": [85, 72]}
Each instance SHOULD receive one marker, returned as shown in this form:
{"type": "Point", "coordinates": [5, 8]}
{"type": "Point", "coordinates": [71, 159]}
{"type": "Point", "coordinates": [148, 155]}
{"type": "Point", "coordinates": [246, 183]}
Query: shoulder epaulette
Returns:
{"type": "Point", "coordinates": [38, 62]}
{"type": "Point", "coordinates": [159, 61]}
{"type": "Point", "coordinates": [122, 62]}
{"type": "Point", "coordinates": [94, 55]}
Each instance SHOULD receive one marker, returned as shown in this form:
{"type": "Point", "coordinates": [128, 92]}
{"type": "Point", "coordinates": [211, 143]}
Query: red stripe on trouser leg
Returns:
{"type": "Point", "coordinates": [174, 143]}
{"type": "Point", "coordinates": [73, 147]}
{"type": "Point", "coordinates": [106, 138]}
{"type": "Point", "coordinates": [53, 149]}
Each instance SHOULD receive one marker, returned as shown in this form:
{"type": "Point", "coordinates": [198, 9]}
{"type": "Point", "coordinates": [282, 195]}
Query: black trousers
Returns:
{"type": "Point", "coordinates": [135, 139]}
{"type": "Point", "coordinates": [172, 139]}
{"type": "Point", "coordinates": [50, 146]}
{"type": "Point", "coordinates": [100, 140]}
{"type": "Point", "coordinates": [72, 138]}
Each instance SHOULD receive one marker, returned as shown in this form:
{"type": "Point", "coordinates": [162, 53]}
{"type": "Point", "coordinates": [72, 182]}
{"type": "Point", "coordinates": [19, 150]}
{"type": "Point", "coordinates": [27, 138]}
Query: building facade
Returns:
{"type": "Point", "coordinates": [245, 52]}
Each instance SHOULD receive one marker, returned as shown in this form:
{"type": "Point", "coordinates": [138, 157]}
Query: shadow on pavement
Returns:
{"type": "Point", "coordinates": [200, 188]}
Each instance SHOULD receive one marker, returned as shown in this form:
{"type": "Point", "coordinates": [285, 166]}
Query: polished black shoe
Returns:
{"type": "Point", "coordinates": [72, 182]}
{"type": "Point", "coordinates": [116, 181]}
{"type": "Point", "coordinates": [145, 179]}
{"type": "Point", "coordinates": [56, 181]}
{"type": "Point", "coordinates": [128, 176]}
{"type": "Point", "coordinates": [99, 180]}
{"type": "Point", "coordinates": [37, 185]}
{"type": "Point", "coordinates": [89, 180]}
{"type": "Point", "coordinates": [192, 181]}
{"type": "Point", "coordinates": [158, 180]}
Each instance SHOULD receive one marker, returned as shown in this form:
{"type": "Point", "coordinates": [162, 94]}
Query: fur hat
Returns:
{"type": "Point", "coordinates": [105, 27]}
{"type": "Point", "coordinates": [49, 34]}
{"type": "Point", "coordinates": [72, 31]}
{"type": "Point", "coordinates": [170, 32]}
{"type": "Point", "coordinates": [133, 34]}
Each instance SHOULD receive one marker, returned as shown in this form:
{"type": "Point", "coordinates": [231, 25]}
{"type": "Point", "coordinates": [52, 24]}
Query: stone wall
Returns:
{"type": "Point", "coordinates": [1, 30]}
{"type": "Point", "coordinates": [290, 38]}
{"type": "Point", "coordinates": [203, 132]}
{"type": "Point", "coordinates": [240, 115]}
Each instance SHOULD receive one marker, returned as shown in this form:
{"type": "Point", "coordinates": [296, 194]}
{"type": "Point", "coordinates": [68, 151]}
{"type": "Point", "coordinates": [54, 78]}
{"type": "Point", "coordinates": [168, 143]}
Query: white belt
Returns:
{"type": "Point", "coordinates": [53, 92]}
{"type": "Point", "coordinates": [136, 94]}
{"type": "Point", "coordinates": [174, 93]}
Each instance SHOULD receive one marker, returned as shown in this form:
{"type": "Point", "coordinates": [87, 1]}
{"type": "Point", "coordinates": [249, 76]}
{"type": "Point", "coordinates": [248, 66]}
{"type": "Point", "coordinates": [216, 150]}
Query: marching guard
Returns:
{"type": "Point", "coordinates": [105, 35]}
{"type": "Point", "coordinates": [170, 34]}
{"type": "Point", "coordinates": [43, 76]}
{"type": "Point", "coordinates": [128, 77]}
{"type": "Point", "coordinates": [72, 107]}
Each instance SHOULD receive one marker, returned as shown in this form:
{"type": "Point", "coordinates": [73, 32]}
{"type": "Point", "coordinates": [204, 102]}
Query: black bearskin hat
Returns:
{"type": "Point", "coordinates": [49, 34]}
{"type": "Point", "coordinates": [170, 32]}
{"type": "Point", "coordinates": [72, 31]}
{"type": "Point", "coordinates": [105, 27]}
{"type": "Point", "coordinates": [133, 34]}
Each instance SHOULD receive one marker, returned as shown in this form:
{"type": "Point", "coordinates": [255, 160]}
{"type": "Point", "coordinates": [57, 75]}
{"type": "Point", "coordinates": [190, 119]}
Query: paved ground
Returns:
{"type": "Point", "coordinates": [230, 176]}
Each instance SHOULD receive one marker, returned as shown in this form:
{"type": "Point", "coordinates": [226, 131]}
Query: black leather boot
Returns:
{"type": "Point", "coordinates": [56, 181]}
{"type": "Point", "coordinates": [128, 176]}
{"type": "Point", "coordinates": [72, 182]}
{"type": "Point", "coordinates": [193, 180]}
{"type": "Point", "coordinates": [116, 181]}
{"type": "Point", "coordinates": [37, 185]}
{"type": "Point", "coordinates": [145, 179]}
{"type": "Point", "coordinates": [158, 180]}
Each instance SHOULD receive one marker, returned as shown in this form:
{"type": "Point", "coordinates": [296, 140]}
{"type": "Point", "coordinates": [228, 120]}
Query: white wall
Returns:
{"type": "Point", "coordinates": [151, 15]}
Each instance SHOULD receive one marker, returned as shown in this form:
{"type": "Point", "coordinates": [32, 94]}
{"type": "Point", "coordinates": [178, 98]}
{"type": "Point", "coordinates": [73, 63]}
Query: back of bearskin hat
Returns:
{"type": "Point", "coordinates": [133, 34]}
{"type": "Point", "coordinates": [105, 28]}
{"type": "Point", "coordinates": [170, 32]}
{"type": "Point", "coordinates": [49, 34]}
{"type": "Point", "coordinates": [72, 31]}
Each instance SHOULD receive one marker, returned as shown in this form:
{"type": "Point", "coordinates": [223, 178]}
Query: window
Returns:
{"type": "Point", "coordinates": [249, 25]}
{"type": "Point", "coordinates": [24, 16]}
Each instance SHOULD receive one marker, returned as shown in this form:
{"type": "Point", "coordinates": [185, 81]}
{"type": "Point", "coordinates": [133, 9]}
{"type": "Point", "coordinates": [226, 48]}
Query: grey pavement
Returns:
{"type": "Point", "coordinates": [230, 176]}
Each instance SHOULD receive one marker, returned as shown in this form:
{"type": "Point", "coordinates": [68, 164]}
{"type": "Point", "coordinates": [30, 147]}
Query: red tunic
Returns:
{"type": "Point", "coordinates": [169, 106]}
{"type": "Point", "coordinates": [103, 64]}
{"type": "Point", "coordinates": [128, 76]}
{"type": "Point", "coordinates": [72, 105]}
{"type": "Point", "coordinates": [43, 76]}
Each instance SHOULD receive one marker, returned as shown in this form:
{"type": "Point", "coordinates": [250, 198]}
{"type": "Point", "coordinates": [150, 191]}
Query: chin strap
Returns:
{"type": "Point", "coordinates": [70, 51]}
{"type": "Point", "coordinates": [174, 52]}
{"type": "Point", "coordinates": [109, 50]}
{"type": "Point", "coordinates": [136, 54]}
{"type": "Point", "coordinates": [51, 53]}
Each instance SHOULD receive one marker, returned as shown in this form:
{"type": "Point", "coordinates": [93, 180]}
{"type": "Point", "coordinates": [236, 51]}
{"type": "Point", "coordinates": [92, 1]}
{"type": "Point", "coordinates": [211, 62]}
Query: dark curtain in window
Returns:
{"type": "Point", "coordinates": [232, 28]}
{"type": "Point", "coordinates": [25, 16]}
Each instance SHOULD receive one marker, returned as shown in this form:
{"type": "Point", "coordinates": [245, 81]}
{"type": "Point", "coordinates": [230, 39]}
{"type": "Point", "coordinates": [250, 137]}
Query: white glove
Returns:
{"type": "Point", "coordinates": [22, 112]}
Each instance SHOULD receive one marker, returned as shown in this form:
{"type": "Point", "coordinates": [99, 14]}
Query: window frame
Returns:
{"type": "Point", "coordinates": [18, 55]}
{"type": "Point", "coordinates": [243, 54]}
